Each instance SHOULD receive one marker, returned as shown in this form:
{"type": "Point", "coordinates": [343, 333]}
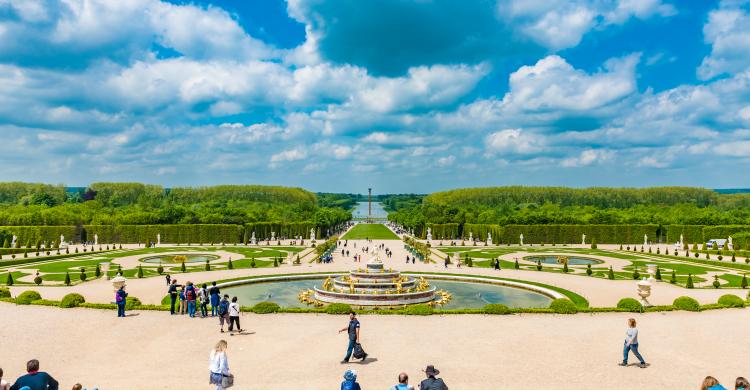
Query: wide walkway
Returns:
{"type": "Point", "coordinates": [151, 350]}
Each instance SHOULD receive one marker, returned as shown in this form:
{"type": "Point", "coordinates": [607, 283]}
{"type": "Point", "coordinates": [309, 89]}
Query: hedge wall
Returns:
{"type": "Point", "coordinates": [691, 233]}
{"type": "Point", "coordinates": [179, 234]}
{"type": "Point", "coordinates": [571, 234]}
{"type": "Point", "coordinates": [479, 231]}
{"type": "Point", "coordinates": [723, 231]}
{"type": "Point", "coordinates": [282, 229]}
{"type": "Point", "coordinates": [43, 233]}
{"type": "Point", "coordinates": [442, 231]}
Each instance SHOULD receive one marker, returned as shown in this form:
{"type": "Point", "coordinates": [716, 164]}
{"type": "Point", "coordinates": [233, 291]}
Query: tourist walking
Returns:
{"type": "Point", "coordinates": [350, 381]}
{"type": "Point", "coordinates": [3, 384]}
{"type": "Point", "coordinates": [121, 298]}
{"type": "Point", "coordinates": [234, 315]}
{"type": "Point", "coordinates": [432, 382]}
{"type": "Point", "coordinates": [218, 367]}
{"type": "Point", "coordinates": [403, 383]}
{"type": "Point", "coordinates": [739, 384]}
{"type": "Point", "coordinates": [352, 330]}
{"type": "Point", "coordinates": [631, 344]}
{"type": "Point", "coordinates": [190, 297]}
{"type": "Point", "coordinates": [711, 383]}
{"type": "Point", "coordinates": [215, 298]}
{"type": "Point", "coordinates": [497, 264]}
{"type": "Point", "coordinates": [168, 277]}
{"type": "Point", "coordinates": [203, 297]}
{"type": "Point", "coordinates": [35, 379]}
{"type": "Point", "coordinates": [172, 291]}
{"type": "Point", "coordinates": [223, 312]}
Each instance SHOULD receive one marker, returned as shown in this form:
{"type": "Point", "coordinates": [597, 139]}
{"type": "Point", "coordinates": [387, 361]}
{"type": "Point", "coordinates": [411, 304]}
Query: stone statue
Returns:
{"type": "Point", "coordinates": [13, 242]}
{"type": "Point", "coordinates": [729, 243]}
{"type": "Point", "coordinates": [682, 242]}
{"type": "Point", "coordinates": [429, 234]}
{"type": "Point", "coordinates": [645, 240]}
{"type": "Point", "coordinates": [253, 240]}
{"type": "Point", "coordinates": [312, 234]}
{"type": "Point", "coordinates": [583, 239]}
{"type": "Point", "coordinates": [96, 239]}
{"type": "Point", "coordinates": [489, 238]}
{"type": "Point", "coordinates": [158, 238]}
{"type": "Point", "coordinates": [520, 237]}
{"type": "Point", "coordinates": [273, 236]}
{"type": "Point", "coordinates": [62, 240]}
{"type": "Point", "coordinates": [471, 237]}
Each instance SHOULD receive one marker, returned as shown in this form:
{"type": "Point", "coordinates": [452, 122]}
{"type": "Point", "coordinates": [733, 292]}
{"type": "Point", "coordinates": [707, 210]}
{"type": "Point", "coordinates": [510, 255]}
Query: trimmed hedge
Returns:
{"type": "Point", "coordinates": [443, 231]}
{"type": "Point", "coordinates": [338, 308]}
{"type": "Point", "coordinates": [179, 234]}
{"type": "Point", "coordinates": [281, 229]}
{"type": "Point", "coordinates": [563, 306]}
{"type": "Point", "coordinates": [571, 234]}
{"type": "Point", "coordinates": [4, 292]}
{"type": "Point", "coordinates": [480, 231]}
{"type": "Point", "coordinates": [265, 308]}
{"type": "Point", "coordinates": [630, 305]}
{"type": "Point", "coordinates": [418, 310]}
{"type": "Point", "coordinates": [26, 297]}
{"type": "Point", "coordinates": [686, 303]}
{"type": "Point", "coordinates": [731, 300]}
{"type": "Point", "coordinates": [132, 302]}
{"type": "Point", "coordinates": [496, 308]}
{"type": "Point", "coordinates": [43, 233]}
{"type": "Point", "coordinates": [72, 300]}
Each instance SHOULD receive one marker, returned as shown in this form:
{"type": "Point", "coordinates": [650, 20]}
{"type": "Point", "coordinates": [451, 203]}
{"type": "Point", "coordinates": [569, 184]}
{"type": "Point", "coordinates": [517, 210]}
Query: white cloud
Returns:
{"type": "Point", "coordinates": [728, 33]}
{"type": "Point", "coordinates": [445, 161]}
{"type": "Point", "coordinates": [514, 141]}
{"type": "Point", "coordinates": [587, 157]}
{"type": "Point", "coordinates": [289, 155]}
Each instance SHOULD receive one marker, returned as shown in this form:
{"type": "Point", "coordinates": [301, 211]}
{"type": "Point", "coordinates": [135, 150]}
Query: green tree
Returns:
{"type": "Point", "coordinates": [252, 262]}
{"type": "Point", "coordinates": [97, 271]}
{"type": "Point", "coordinates": [67, 279]}
{"type": "Point", "coordinates": [716, 282]}
{"type": "Point", "coordinates": [82, 276]}
{"type": "Point", "coordinates": [689, 283]}
{"type": "Point", "coordinates": [516, 265]}
{"type": "Point", "coordinates": [636, 274]}
{"type": "Point", "coordinates": [538, 265]}
{"type": "Point", "coordinates": [182, 266]}
{"type": "Point", "coordinates": [673, 279]}
{"type": "Point", "coordinates": [230, 265]}
{"type": "Point", "coordinates": [9, 279]}
{"type": "Point", "coordinates": [658, 273]}
{"type": "Point", "coordinates": [208, 265]}
{"type": "Point", "coordinates": [140, 272]}
{"type": "Point", "coordinates": [743, 283]}
{"type": "Point", "coordinates": [589, 271]}
{"type": "Point", "coordinates": [565, 266]}
{"type": "Point", "coordinates": [611, 273]}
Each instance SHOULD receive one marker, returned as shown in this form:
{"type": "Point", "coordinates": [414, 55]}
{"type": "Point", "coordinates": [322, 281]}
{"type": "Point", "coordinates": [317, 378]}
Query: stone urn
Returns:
{"type": "Point", "coordinates": [651, 269]}
{"type": "Point", "coordinates": [105, 269]}
{"type": "Point", "coordinates": [644, 291]}
{"type": "Point", "coordinates": [118, 281]}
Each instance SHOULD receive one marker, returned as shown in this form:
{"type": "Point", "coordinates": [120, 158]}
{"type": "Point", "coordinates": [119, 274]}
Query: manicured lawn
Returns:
{"type": "Point", "coordinates": [373, 231]}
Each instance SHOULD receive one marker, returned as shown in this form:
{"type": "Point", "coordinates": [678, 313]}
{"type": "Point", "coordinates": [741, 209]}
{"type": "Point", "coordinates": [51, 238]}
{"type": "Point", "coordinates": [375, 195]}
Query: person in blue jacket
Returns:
{"type": "Point", "coordinates": [350, 381]}
{"type": "Point", "coordinates": [35, 379]}
{"type": "Point", "coordinates": [215, 298]}
{"type": "Point", "coordinates": [121, 298]}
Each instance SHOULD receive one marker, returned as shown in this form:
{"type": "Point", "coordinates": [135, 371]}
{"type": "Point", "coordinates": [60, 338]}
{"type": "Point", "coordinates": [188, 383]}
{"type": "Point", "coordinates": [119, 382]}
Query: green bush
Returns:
{"type": "Point", "coordinates": [132, 302]}
{"type": "Point", "coordinates": [230, 265]}
{"type": "Point", "coordinates": [26, 297]}
{"type": "Point", "coordinates": [630, 305]}
{"type": "Point", "coordinates": [67, 279]}
{"type": "Point", "coordinates": [4, 292]}
{"type": "Point", "coordinates": [716, 282]}
{"type": "Point", "coordinates": [673, 279]}
{"type": "Point", "coordinates": [418, 310]}
{"type": "Point", "coordinates": [9, 279]}
{"type": "Point", "coordinates": [338, 308]}
{"type": "Point", "coordinates": [636, 274]}
{"type": "Point", "coordinates": [686, 303]}
{"type": "Point", "coordinates": [563, 306]}
{"type": "Point", "coordinates": [743, 283]}
{"type": "Point", "coordinates": [496, 308]}
{"type": "Point", "coordinates": [265, 308]}
{"type": "Point", "coordinates": [611, 273]}
{"type": "Point", "coordinates": [731, 300]}
{"type": "Point", "coordinates": [72, 300]}
{"type": "Point", "coordinates": [252, 262]}
{"type": "Point", "coordinates": [160, 269]}
{"type": "Point", "coordinates": [658, 273]}
{"type": "Point", "coordinates": [38, 280]}
{"type": "Point", "coordinates": [140, 272]}
{"type": "Point", "coordinates": [689, 283]}
{"type": "Point", "coordinates": [516, 265]}
{"type": "Point", "coordinates": [589, 271]}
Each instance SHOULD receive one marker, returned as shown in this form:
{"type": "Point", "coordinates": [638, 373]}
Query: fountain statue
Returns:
{"type": "Point", "coordinates": [645, 240]}
{"type": "Point", "coordinates": [328, 284]}
{"type": "Point", "coordinates": [521, 238]}
{"type": "Point", "coordinates": [429, 234]}
{"type": "Point", "coordinates": [583, 239]}
{"type": "Point", "coordinates": [489, 238]}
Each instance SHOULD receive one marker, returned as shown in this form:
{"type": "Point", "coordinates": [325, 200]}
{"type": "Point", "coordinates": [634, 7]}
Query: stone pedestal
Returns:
{"type": "Point", "coordinates": [644, 291]}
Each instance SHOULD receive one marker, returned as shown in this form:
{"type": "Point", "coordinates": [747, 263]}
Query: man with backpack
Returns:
{"type": "Point", "coordinates": [353, 330]}
{"type": "Point", "coordinates": [190, 297]}
{"type": "Point", "coordinates": [223, 311]}
{"type": "Point", "coordinates": [121, 299]}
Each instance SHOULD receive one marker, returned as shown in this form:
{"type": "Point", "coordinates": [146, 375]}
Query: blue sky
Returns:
{"type": "Point", "coordinates": [397, 95]}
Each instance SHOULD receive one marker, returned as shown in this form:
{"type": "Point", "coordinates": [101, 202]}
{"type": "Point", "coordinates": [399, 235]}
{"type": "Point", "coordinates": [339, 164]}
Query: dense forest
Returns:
{"type": "Point", "coordinates": [30, 204]}
{"type": "Point", "coordinates": [558, 205]}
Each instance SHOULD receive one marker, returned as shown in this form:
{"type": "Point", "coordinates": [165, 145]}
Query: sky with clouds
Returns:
{"type": "Point", "coordinates": [397, 95]}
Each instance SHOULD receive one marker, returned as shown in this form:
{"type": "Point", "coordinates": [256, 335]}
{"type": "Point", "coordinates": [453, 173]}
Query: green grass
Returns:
{"type": "Point", "coordinates": [373, 231]}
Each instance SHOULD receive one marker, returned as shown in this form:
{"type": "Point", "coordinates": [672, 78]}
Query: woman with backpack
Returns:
{"type": "Point", "coordinates": [190, 297]}
{"type": "Point", "coordinates": [121, 299]}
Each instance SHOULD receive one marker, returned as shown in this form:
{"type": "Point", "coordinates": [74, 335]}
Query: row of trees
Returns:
{"type": "Point", "coordinates": [25, 204]}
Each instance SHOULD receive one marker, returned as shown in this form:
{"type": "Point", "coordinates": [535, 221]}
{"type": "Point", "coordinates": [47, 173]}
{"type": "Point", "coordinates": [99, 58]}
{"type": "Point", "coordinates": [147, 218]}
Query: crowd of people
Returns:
{"type": "Point", "coordinates": [186, 299]}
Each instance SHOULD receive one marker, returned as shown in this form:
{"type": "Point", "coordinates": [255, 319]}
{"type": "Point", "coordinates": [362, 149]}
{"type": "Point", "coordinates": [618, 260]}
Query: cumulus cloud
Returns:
{"type": "Point", "coordinates": [728, 33]}
{"type": "Point", "coordinates": [514, 141]}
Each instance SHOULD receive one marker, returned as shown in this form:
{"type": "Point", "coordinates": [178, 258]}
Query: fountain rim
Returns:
{"type": "Point", "coordinates": [455, 278]}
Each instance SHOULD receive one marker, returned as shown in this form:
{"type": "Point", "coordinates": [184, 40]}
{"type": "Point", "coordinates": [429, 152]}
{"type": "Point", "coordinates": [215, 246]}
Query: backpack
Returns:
{"type": "Point", "coordinates": [223, 307]}
{"type": "Point", "coordinates": [118, 297]}
{"type": "Point", "coordinates": [190, 294]}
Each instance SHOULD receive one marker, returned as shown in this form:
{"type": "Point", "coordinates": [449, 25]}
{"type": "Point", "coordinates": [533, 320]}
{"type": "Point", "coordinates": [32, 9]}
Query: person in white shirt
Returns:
{"type": "Point", "coordinates": [218, 365]}
{"type": "Point", "coordinates": [631, 344]}
{"type": "Point", "coordinates": [234, 315]}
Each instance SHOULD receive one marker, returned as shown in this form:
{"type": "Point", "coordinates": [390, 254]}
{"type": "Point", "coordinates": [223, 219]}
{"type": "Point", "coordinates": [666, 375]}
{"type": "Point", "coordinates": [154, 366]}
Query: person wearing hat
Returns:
{"type": "Point", "coordinates": [432, 383]}
{"type": "Point", "coordinates": [350, 381]}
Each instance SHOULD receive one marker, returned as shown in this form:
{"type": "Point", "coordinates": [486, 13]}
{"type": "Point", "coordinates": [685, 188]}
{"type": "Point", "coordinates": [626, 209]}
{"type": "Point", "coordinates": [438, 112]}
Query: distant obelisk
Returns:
{"type": "Point", "coordinates": [369, 205]}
